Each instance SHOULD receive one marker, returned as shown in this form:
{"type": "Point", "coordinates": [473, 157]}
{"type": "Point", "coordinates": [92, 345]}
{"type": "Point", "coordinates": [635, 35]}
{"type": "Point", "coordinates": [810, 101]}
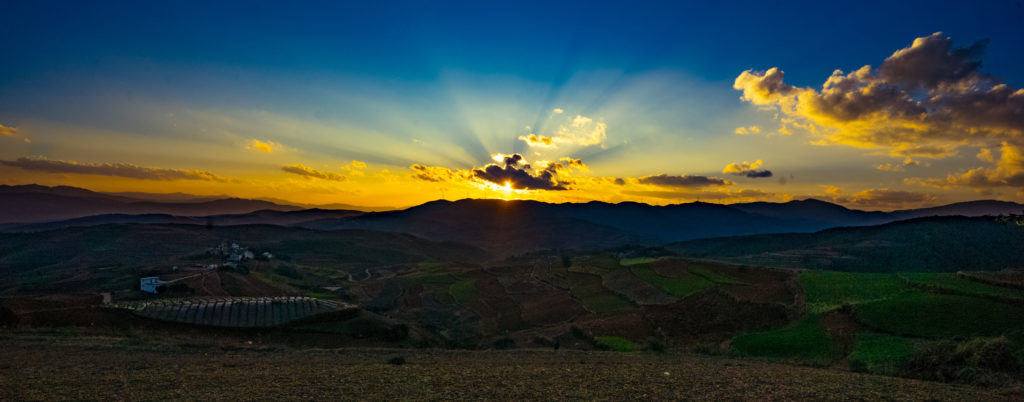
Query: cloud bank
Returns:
{"type": "Point", "coordinates": [111, 169]}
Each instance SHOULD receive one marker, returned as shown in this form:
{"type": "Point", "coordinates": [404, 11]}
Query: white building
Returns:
{"type": "Point", "coordinates": [149, 284]}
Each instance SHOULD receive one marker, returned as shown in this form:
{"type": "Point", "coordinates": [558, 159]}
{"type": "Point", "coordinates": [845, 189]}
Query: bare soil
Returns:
{"type": "Point", "coordinates": [51, 367]}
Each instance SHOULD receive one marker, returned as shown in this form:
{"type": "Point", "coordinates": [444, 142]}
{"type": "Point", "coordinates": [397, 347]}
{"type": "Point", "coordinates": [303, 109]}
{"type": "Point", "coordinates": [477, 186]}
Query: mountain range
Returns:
{"type": "Point", "coordinates": [505, 227]}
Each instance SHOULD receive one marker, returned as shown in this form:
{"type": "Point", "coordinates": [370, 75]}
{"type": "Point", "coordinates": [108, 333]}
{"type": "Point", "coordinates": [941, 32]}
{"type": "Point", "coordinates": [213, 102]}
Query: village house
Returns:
{"type": "Point", "coordinates": [150, 283]}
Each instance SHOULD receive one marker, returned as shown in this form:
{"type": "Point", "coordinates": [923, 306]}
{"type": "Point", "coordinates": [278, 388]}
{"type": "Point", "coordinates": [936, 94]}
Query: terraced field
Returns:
{"type": "Point", "coordinates": [237, 312]}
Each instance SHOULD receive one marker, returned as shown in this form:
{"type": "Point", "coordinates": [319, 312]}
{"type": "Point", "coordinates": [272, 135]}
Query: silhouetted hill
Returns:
{"type": "Point", "coordinates": [265, 217]}
{"type": "Point", "coordinates": [33, 203]}
{"type": "Point", "coordinates": [816, 213]}
{"type": "Point", "coordinates": [517, 226]}
{"type": "Point", "coordinates": [935, 244]}
{"type": "Point", "coordinates": [969, 208]}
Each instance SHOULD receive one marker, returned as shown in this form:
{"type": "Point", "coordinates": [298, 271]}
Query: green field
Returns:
{"type": "Point", "coordinates": [617, 344]}
{"type": "Point", "coordinates": [828, 290]}
{"type": "Point", "coordinates": [639, 260]}
{"type": "Point", "coordinates": [873, 348]}
{"type": "Point", "coordinates": [587, 288]}
{"type": "Point", "coordinates": [960, 285]}
{"type": "Point", "coordinates": [679, 287]}
{"type": "Point", "coordinates": [463, 291]}
{"type": "Point", "coordinates": [805, 340]}
{"type": "Point", "coordinates": [938, 316]}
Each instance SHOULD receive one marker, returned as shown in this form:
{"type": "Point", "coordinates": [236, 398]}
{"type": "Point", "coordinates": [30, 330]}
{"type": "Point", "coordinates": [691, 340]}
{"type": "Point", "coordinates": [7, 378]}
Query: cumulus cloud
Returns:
{"type": "Point", "coordinates": [257, 145]}
{"type": "Point", "coordinates": [359, 165]}
{"type": "Point", "coordinates": [111, 169]}
{"type": "Point", "coordinates": [747, 169]}
{"type": "Point", "coordinates": [665, 180]}
{"type": "Point", "coordinates": [1008, 172]}
{"type": "Point", "coordinates": [924, 100]}
{"type": "Point", "coordinates": [579, 130]}
{"type": "Point", "coordinates": [535, 140]}
{"type": "Point", "coordinates": [309, 172]}
{"type": "Point", "coordinates": [748, 130]}
{"type": "Point", "coordinates": [511, 170]}
{"type": "Point", "coordinates": [7, 131]}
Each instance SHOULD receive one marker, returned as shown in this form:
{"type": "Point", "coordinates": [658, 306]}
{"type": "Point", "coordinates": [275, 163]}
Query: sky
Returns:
{"type": "Point", "coordinates": [873, 105]}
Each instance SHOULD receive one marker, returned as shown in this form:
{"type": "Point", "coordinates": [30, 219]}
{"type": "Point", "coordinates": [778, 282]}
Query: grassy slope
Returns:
{"type": "Point", "coordinates": [930, 315]}
{"type": "Point", "coordinates": [57, 368]}
{"type": "Point", "coordinates": [828, 290]}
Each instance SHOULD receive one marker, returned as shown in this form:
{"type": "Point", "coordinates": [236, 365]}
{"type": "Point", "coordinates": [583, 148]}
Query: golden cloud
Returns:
{"type": "Point", "coordinates": [1008, 172]}
{"type": "Point", "coordinates": [747, 169]}
{"type": "Point", "coordinates": [258, 145]}
{"type": "Point", "coordinates": [748, 130]}
{"type": "Point", "coordinates": [7, 131]}
{"type": "Point", "coordinates": [925, 100]}
{"type": "Point", "coordinates": [579, 131]}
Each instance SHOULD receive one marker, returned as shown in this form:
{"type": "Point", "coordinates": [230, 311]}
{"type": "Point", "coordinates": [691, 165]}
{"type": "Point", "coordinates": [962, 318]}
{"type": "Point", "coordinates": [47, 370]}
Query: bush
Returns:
{"type": "Point", "coordinates": [979, 361]}
{"type": "Point", "coordinates": [656, 345]}
{"type": "Point", "coordinates": [504, 343]}
{"type": "Point", "coordinates": [397, 360]}
{"type": "Point", "coordinates": [288, 271]}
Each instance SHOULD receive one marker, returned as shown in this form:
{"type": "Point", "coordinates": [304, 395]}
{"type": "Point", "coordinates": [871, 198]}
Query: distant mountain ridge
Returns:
{"type": "Point", "coordinates": [34, 203]}
{"type": "Point", "coordinates": [488, 223]}
{"type": "Point", "coordinates": [505, 227]}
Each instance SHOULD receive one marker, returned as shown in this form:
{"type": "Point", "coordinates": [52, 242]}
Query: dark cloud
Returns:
{"type": "Point", "coordinates": [309, 172]}
{"type": "Point", "coordinates": [932, 61]}
{"type": "Point", "coordinates": [111, 169]}
{"type": "Point", "coordinates": [517, 174]}
{"type": "Point", "coordinates": [683, 181]}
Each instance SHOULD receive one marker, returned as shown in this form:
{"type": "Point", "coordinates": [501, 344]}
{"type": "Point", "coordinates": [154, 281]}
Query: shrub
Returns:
{"type": "Point", "coordinates": [504, 343]}
{"type": "Point", "coordinates": [288, 271]}
{"type": "Point", "coordinates": [979, 361]}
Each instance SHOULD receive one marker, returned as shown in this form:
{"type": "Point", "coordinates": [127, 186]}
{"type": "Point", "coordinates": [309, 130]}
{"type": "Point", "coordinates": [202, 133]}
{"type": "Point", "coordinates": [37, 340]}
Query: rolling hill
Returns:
{"type": "Point", "coordinates": [33, 203]}
{"type": "Point", "coordinates": [934, 244]}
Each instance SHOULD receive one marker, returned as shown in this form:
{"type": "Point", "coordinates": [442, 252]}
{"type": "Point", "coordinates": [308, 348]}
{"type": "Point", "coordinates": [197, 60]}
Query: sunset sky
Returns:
{"type": "Point", "coordinates": [878, 105]}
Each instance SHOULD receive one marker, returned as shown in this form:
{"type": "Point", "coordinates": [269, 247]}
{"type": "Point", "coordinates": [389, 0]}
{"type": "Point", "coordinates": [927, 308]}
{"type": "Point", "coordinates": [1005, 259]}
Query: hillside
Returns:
{"type": "Point", "coordinates": [33, 203]}
{"type": "Point", "coordinates": [261, 217]}
{"type": "Point", "coordinates": [519, 226]}
{"type": "Point", "coordinates": [113, 257]}
{"type": "Point", "coordinates": [937, 244]}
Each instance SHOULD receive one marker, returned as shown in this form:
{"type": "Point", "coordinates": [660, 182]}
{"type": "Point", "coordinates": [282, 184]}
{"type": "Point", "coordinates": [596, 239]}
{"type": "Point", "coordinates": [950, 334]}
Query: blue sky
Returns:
{"type": "Point", "coordinates": [335, 82]}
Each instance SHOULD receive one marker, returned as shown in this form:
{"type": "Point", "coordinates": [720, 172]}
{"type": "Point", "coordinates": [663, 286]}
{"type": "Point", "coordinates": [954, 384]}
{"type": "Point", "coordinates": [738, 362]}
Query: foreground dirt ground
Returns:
{"type": "Point", "coordinates": [72, 367]}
